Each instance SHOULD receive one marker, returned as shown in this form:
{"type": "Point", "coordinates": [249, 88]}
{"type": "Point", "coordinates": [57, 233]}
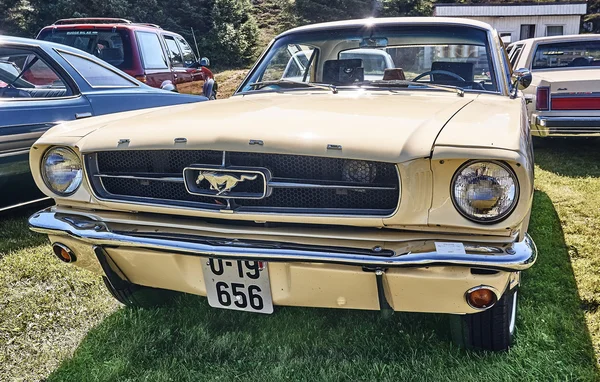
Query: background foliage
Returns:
{"type": "Point", "coordinates": [230, 32]}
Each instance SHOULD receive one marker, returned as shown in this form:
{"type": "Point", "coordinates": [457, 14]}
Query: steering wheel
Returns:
{"type": "Point", "coordinates": [444, 72]}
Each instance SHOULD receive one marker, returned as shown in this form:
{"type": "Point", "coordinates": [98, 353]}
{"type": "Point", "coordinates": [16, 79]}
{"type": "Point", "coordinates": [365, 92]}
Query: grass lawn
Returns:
{"type": "Point", "coordinates": [57, 322]}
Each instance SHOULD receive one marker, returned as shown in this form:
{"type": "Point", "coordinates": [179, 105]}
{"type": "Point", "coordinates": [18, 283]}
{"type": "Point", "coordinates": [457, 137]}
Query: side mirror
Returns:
{"type": "Point", "coordinates": [521, 79]}
{"type": "Point", "coordinates": [204, 62]}
{"type": "Point", "coordinates": [168, 86]}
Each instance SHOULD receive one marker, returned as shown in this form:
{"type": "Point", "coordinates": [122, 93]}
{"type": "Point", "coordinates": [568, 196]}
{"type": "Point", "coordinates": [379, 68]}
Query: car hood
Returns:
{"type": "Point", "coordinates": [375, 125]}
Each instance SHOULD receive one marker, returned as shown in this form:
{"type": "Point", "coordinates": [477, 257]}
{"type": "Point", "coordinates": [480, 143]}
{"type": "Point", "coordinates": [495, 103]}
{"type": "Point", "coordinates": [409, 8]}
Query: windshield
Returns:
{"type": "Point", "coordinates": [567, 54]}
{"type": "Point", "coordinates": [112, 45]}
{"type": "Point", "coordinates": [442, 55]}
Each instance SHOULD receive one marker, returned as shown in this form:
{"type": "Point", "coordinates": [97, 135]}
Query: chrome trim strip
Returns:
{"type": "Point", "coordinates": [156, 178]}
{"type": "Point", "coordinates": [576, 95]}
{"type": "Point", "coordinates": [273, 183]}
{"type": "Point", "coordinates": [284, 183]}
{"type": "Point", "coordinates": [95, 232]}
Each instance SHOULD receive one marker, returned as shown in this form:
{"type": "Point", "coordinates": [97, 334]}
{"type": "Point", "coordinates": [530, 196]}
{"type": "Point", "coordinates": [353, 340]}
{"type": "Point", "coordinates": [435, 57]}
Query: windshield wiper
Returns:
{"type": "Point", "coordinates": [405, 83]}
{"type": "Point", "coordinates": [262, 84]}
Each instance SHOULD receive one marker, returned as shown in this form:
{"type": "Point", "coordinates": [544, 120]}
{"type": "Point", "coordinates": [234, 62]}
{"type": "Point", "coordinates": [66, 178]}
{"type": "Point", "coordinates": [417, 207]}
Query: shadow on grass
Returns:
{"type": "Point", "coordinates": [190, 341]}
{"type": "Point", "coordinates": [14, 230]}
{"type": "Point", "coordinates": [574, 157]}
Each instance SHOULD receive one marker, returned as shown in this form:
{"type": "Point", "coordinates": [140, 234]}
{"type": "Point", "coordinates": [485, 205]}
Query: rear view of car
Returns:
{"type": "Point", "coordinates": [157, 57]}
{"type": "Point", "coordinates": [565, 96]}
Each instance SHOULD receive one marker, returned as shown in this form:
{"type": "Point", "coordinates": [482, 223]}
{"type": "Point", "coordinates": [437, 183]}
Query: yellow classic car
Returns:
{"type": "Point", "coordinates": [398, 189]}
{"type": "Point", "coordinates": [564, 97]}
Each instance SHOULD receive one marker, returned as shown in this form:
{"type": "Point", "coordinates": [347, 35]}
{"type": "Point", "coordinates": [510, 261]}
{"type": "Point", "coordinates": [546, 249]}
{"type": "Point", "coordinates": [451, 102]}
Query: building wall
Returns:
{"type": "Point", "coordinates": [482, 10]}
{"type": "Point", "coordinates": [512, 24]}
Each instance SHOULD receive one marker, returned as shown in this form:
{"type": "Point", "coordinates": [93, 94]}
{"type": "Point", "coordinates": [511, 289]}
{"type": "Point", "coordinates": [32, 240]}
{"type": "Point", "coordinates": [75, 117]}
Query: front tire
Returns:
{"type": "Point", "coordinates": [492, 329]}
{"type": "Point", "coordinates": [138, 296]}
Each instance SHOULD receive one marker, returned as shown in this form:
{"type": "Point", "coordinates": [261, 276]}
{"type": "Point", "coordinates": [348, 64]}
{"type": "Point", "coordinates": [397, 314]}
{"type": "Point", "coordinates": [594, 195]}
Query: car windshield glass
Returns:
{"type": "Point", "coordinates": [112, 46]}
{"type": "Point", "coordinates": [455, 56]}
{"type": "Point", "coordinates": [570, 54]}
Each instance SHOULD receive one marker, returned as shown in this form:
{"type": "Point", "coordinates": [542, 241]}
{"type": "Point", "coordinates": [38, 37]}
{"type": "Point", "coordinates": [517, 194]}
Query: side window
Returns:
{"type": "Point", "coordinates": [95, 74]}
{"type": "Point", "coordinates": [515, 54]}
{"type": "Point", "coordinates": [174, 52]}
{"type": "Point", "coordinates": [25, 74]}
{"type": "Point", "coordinates": [189, 58]}
{"type": "Point", "coordinates": [291, 62]}
{"type": "Point", "coordinates": [152, 52]}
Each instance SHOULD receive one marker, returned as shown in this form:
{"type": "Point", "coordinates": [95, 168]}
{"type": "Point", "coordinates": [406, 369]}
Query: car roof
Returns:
{"type": "Point", "coordinates": [385, 21]}
{"type": "Point", "coordinates": [572, 37]}
{"type": "Point", "coordinates": [40, 43]}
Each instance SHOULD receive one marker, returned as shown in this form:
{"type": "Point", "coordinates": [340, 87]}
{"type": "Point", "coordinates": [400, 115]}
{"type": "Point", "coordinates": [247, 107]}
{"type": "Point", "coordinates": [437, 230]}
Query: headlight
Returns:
{"type": "Point", "coordinates": [61, 170]}
{"type": "Point", "coordinates": [485, 192]}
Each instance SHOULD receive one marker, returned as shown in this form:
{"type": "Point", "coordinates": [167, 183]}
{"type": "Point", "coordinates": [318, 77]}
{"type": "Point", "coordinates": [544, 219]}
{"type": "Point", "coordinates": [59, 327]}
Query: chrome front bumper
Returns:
{"type": "Point", "coordinates": [514, 257]}
{"type": "Point", "coordinates": [565, 126]}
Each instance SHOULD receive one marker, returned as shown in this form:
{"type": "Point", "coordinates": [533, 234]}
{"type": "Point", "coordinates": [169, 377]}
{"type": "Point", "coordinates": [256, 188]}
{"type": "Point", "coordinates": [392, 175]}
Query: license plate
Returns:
{"type": "Point", "coordinates": [238, 284]}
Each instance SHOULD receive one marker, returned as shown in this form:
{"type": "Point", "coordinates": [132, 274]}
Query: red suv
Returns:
{"type": "Point", "coordinates": [152, 55]}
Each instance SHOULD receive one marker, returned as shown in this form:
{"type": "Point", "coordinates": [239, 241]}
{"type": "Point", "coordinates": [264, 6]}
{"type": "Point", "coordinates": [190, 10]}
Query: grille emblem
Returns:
{"type": "Point", "coordinates": [222, 183]}
{"type": "Point", "coordinates": [228, 182]}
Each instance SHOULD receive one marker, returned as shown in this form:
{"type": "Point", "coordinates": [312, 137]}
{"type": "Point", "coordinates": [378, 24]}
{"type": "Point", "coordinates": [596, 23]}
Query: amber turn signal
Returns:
{"type": "Point", "coordinates": [63, 253]}
{"type": "Point", "coordinates": [481, 297]}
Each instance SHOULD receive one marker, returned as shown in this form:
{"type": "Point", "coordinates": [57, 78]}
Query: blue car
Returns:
{"type": "Point", "coordinates": [42, 84]}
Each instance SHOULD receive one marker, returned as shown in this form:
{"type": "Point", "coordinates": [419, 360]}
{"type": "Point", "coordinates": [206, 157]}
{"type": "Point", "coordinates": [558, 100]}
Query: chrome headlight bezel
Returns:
{"type": "Point", "coordinates": [498, 218]}
{"type": "Point", "coordinates": [77, 180]}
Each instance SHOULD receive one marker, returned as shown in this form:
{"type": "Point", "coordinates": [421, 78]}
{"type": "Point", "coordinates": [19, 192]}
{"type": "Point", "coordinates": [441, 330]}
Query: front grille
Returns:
{"type": "Point", "coordinates": [298, 184]}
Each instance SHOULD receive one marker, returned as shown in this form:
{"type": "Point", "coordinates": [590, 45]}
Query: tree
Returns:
{"type": "Point", "coordinates": [233, 36]}
{"type": "Point", "coordinates": [316, 11]}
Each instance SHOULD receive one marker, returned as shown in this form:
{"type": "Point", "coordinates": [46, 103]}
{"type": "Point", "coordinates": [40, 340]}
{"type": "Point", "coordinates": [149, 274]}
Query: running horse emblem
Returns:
{"type": "Point", "coordinates": [222, 183]}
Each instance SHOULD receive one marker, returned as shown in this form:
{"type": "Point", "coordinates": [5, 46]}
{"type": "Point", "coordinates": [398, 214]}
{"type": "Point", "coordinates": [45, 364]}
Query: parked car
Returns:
{"type": "Point", "coordinates": [43, 84]}
{"type": "Point", "coordinates": [564, 99]}
{"type": "Point", "coordinates": [157, 57]}
{"type": "Point", "coordinates": [340, 192]}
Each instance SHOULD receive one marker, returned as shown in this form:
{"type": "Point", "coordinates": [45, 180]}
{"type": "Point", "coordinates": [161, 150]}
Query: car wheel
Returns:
{"type": "Point", "coordinates": [492, 329]}
{"type": "Point", "coordinates": [139, 296]}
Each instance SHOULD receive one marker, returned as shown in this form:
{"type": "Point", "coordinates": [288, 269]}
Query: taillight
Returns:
{"type": "Point", "coordinates": [542, 98]}
{"type": "Point", "coordinates": [141, 78]}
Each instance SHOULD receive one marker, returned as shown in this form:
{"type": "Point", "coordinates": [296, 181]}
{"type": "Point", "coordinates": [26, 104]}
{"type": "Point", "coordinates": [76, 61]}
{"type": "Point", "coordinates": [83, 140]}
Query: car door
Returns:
{"type": "Point", "coordinates": [156, 66]}
{"type": "Point", "coordinates": [41, 96]}
{"type": "Point", "coordinates": [183, 76]}
{"type": "Point", "coordinates": [198, 73]}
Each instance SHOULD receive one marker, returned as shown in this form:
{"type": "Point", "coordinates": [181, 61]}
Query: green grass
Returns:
{"type": "Point", "coordinates": [57, 322]}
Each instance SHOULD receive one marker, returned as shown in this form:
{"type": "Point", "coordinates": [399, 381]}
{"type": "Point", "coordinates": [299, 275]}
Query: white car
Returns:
{"type": "Point", "coordinates": [564, 97]}
{"type": "Point", "coordinates": [374, 63]}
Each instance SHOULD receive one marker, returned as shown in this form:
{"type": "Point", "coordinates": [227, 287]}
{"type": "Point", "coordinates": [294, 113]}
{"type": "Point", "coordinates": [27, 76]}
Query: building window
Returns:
{"type": "Point", "coordinates": [506, 37]}
{"type": "Point", "coordinates": [554, 30]}
{"type": "Point", "coordinates": [527, 31]}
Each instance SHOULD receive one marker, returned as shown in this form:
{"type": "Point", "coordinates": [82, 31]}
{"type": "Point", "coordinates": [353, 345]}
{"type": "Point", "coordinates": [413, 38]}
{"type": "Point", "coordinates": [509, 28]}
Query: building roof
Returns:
{"type": "Point", "coordinates": [386, 21]}
{"type": "Point", "coordinates": [510, 9]}
{"type": "Point", "coordinates": [573, 37]}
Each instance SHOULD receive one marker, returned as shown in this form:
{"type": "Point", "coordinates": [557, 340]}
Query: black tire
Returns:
{"type": "Point", "coordinates": [139, 296]}
{"type": "Point", "coordinates": [492, 329]}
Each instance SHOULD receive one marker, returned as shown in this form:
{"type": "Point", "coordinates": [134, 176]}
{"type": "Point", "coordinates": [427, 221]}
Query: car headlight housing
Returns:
{"type": "Point", "coordinates": [485, 191]}
{"type": "Point", "coordinates": [61, 170]}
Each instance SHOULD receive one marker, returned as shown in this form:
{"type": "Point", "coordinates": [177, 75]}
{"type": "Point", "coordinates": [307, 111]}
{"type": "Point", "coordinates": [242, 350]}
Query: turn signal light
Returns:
{"type": "Point", "coordinates": [63, 253]}
{"type": "Point", "coordinates": [141, 78]}
{"type": "Point", "coordinates": [481, 297]}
